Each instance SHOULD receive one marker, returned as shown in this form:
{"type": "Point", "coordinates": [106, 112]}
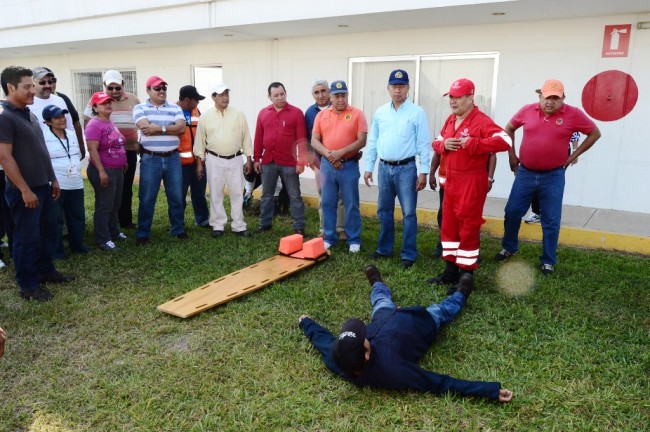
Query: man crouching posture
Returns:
{"type": "Point", "coordinates": [384, 353]}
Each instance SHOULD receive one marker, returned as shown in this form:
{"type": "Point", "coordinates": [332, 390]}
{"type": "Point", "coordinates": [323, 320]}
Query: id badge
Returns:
{"type": "Point", "coordinates": [72, 170]}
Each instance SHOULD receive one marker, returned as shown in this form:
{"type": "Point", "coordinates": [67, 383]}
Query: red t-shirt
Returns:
{"type": "Point", "coordinates": [281, 136]}
{"type": "Point", "coordinates": [545, 140]}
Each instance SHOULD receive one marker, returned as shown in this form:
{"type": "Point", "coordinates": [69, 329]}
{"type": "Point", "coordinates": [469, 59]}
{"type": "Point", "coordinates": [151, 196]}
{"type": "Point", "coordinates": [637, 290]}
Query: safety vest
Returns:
{"type": "Point", "coordinates": [187, 139]}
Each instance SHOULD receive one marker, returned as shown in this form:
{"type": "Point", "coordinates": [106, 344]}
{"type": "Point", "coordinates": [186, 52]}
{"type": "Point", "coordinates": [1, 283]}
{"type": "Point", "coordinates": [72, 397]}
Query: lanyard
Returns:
{"type": "Point", "coordinates": [67, 150]}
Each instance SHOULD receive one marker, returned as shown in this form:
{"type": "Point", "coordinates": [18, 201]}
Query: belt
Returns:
{"type": "Point", "coordinates": [540, 171]}
{"type": "Point", "coordinates": [399, 162]}
{"type": "Point", "coordinates": [354, 158]}
{"type": "Point", "coordinates": [155, 153]}
{"type": "Point", "coordinates": [239, 153]}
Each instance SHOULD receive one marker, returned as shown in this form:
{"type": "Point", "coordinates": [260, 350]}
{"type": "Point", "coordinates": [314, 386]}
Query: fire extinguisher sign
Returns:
{"type": "Point", "coordinates": [616, 40]}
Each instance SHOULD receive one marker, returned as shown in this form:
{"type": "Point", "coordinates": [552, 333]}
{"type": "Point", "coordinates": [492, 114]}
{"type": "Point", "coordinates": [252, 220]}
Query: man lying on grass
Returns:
{"type": "Point", "coordinates": [384, 354]}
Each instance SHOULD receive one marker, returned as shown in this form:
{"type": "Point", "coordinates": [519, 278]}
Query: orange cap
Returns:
{"type": "Point", "coordinates": [552, 87]}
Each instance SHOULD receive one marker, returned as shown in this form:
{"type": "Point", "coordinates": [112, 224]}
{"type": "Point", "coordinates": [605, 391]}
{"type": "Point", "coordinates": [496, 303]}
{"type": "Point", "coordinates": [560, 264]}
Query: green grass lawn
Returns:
{"type": "Point", "coordinates": [100, 357]}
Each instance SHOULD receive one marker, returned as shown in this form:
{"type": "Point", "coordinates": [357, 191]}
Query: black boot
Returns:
{"type": "Point", "coordinates": [466, 283]}
{"type": "Point", "coordinates": [449, 276]}
{"type": "Point", "coordinates": [373, 275]}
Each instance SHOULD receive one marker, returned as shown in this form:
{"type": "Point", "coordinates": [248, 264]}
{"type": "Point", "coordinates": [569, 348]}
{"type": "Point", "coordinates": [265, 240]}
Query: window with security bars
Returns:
{"type": "Point", "coordinates": [88, 82]}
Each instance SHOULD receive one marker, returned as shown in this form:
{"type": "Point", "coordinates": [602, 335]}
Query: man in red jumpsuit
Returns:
{"type": "Point", "coordinates": [467, 139]}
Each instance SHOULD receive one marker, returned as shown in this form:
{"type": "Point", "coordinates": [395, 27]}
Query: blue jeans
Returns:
{"type": "Point", "coordinates": [398, 181]}
{"type": "Point", "coordinates": [107, 202]}
{"type": "Point", "coordinates": [345, 181]}
{"type": "Point", "coordinates": [442, 313]}
{"type": "Point", "coordinates": [153, 169]}
{"type": "Point", "coordinates": [33, 236]}
{"type": "Point", "coordinates": [197, 193]}
{"type": "Point", "coordinates": [549, 187]}
{"type": "Point", "coordinates": [270, 173]}
{"type": "Point", "coordinates": [69, 210]}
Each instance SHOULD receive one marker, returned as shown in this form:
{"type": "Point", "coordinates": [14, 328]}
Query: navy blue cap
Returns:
{"type": "Point", "coordinates": [338, 87]}
{"type": "Point", "coordinates": [53, 111]}
{"type": "Point", "coordinates": [398, 76]}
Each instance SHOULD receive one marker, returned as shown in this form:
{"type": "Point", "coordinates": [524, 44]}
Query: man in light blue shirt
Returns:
{"type": "Point", "coordinates": [398, 133]}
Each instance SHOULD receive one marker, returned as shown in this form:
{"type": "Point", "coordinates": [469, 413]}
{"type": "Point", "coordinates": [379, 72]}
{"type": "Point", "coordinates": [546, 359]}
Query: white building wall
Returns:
{"type": "Point", "coordinates": [614, 174]}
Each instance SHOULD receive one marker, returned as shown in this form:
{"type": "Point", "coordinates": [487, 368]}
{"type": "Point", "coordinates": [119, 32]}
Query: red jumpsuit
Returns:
{"type": "Point", "coordinates": [466, 184]}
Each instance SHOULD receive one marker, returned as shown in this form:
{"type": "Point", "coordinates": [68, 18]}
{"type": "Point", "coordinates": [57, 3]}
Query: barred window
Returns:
{"type": "Point", "coordinates": [86, 83]}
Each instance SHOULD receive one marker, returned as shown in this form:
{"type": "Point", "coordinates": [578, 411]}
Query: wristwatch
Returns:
{"type": "Point", "coordinates": [164, 130]}
{"type": "Point", "coordinates": [490, 179]}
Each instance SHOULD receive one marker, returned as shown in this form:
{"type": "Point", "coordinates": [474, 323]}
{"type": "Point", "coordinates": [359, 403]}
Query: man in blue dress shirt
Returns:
{"type": "Point", "coordinates": [398, 133]}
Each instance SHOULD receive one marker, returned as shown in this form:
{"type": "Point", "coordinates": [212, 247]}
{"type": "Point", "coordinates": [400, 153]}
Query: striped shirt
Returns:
{"type": "Point", "coordinates": [166, 114]}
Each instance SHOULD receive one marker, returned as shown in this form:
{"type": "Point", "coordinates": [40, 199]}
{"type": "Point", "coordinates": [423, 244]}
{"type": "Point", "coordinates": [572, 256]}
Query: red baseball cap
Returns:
{"type": "Point", "coordinates": [99, 98]}
{"type": "Point", "coordinates": [461, 87]}
{"type": "Point", "coordinates": [155, 81]}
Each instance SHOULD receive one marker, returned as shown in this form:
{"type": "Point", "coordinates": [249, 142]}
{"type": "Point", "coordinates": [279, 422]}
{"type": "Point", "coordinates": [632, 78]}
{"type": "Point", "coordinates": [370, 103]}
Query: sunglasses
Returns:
{"type": "Point", "coordinates": [116, 88]}
{"type": "Point", "coordinates": [160, 88]}
{"type": "Point", "coordinates": [50, 82]}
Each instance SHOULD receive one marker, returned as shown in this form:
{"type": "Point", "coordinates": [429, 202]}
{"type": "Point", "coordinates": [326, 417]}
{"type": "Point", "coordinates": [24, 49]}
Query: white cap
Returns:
{"type": "Point", "coordinates": [219, 88]}
{"type": "Point", "coordinates": [113, 76]}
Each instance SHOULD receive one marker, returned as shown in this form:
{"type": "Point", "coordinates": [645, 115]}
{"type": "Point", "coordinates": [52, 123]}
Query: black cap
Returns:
{"type": "Point", "coordinates": [348, 350]}
{"type": "Point", "coordinates": [189, 91]}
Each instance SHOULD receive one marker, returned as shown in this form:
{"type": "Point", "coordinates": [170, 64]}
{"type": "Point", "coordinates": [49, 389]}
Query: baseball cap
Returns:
{"type": "Point", "coordinates": [113, 77]}
{"type": "Point", "coordinates": [461, 87]}
{"type": "Point", "coordinates": [99, 98]}
{"type": "Point", "coordinates": [53, 111]}
{"type": "Point", "coordinates": [348, 350]}
{"type": "Point", "coordinates": [189, 91]}
{"type": "Point", "coordinates": [338, 87]}
{"type": "Point", "coordinates": [398, 76]}
{"type": "Point", "coordinates": [155, 81]}
{"type": "Point", "coordinates": [41, 72]}
{"type": "Point", "coordinates": [551, 87]}
{"type": "Point", "coordinates": [220, 88]}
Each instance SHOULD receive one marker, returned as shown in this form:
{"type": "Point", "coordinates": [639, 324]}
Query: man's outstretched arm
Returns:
{"type": "Point", "coordinates": [322, 340]}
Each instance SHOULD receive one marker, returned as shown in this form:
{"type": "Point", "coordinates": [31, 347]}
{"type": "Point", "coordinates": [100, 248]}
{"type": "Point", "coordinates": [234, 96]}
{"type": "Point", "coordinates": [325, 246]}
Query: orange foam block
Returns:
{"type": "Point", "coordinates": [311, 249]}
{"type": "Point", "coordinates": [290, 244]}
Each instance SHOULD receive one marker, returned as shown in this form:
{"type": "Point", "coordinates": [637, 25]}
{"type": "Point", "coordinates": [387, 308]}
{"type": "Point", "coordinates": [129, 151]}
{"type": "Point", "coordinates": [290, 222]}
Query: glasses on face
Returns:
{"type": "Point", "coordinates": [160, 88]}
{"type": "Point", "coordinates": [49, 82]}
{"type": "Point", "coordinates": [116, 88]}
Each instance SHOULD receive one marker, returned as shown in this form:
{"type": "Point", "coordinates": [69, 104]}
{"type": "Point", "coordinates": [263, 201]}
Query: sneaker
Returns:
{"type": "Point", "coordinates": [547, 269]}
{"type": "Point", "coordinates": [247, 199]}
{"type": "Point", "coordinates": [4, 245]}
{"type": "Point", "coordinates": [56, 277]}
{"type": "Point", "coordinates": [2, 264]}
{"type": "Point", "coordinates": [120, 237]}
{"type": "Point", "coordinates": [532, 218]}
{"type": "Point", "coordinates": [372, 273]}
{"type": "Point", "coordinates": [354, 248]}
{"type": "Point", "coordinates": [326, 245]}
{"type": "Point", "coordinates": [40, 294]}
{"type": "Point", "coordinates": [503, 255]}
{"type": "Point", "coordinates": [109, 246]}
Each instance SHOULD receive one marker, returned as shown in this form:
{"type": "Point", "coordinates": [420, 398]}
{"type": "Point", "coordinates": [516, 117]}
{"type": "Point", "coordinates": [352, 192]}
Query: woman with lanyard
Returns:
{"type": "Point", "coordinates": [65, 154]}
{"type": "Point", "coordinates": [105, 170]}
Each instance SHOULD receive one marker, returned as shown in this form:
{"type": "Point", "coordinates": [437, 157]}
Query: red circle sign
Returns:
{"type": "Point", "coordinates": [610, 95]}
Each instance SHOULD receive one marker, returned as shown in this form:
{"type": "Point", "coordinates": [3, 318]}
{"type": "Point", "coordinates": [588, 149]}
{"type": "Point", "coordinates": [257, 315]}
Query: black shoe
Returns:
{"type": "Point", "coordinates": [182, 236]}
{"type": "Point", "coordinates": [466, 284]}
{"type": "Point", "coordinates": [449, 276]}
{"type": "Point", "coordinates": [372, 273]}
{"type": "Point", "coordinates": [300, 231]}
{"type": "Point", "coordinates": [244, 233]}
{"type": "Point", "coordinates": [128, 225]}
{"type": "Point", "coordinates": [260, 229]}
{"type": "Point", "coordinates": [377, 255]}
{"type": "Point", "coordinates": [56, 277]}
{"type": "Point", "coordinates": [503, 255]}
{"type": "Point", "coordinates": [217, 233]}
{"type": "Point", "coordinates": [141, 241]}
{"type": "Point", "coordinates": [40, 294]}
{"type": "Point", "coordinates": [547, 269]}
{"type": "Point", "coordinates": [407, 263]}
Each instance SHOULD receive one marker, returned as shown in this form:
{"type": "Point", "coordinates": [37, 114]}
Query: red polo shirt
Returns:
{"type": "Point", "coordinates": [545, 141]}
{"type": "Point", "coordinates": [281, 136]}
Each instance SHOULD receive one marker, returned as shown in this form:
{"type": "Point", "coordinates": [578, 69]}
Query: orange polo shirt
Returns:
{"type": "Point", "coordinates": [338, 130]}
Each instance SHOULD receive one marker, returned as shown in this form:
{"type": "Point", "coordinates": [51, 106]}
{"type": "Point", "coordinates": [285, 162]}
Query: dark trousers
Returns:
{"type": "Point", "coordinates": [33, 237]}
{"type": "Point", "coordinates": [107, 201]}
{"type": "Point", "coordinates": [197, 192]}
{"type": "Point", "coordinates": [6, 224]}
{"type": "Point", "coordinates": [125, 213]}
{"type": "Point", "coordinates": [69, 209]}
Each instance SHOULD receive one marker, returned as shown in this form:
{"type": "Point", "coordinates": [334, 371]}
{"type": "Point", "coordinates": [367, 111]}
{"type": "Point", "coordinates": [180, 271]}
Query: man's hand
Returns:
{"type": "Point", "coordinates": [335, 156]}
{"type": "Point", "coordinates": [452, 144]}
{"type": "Point", "coordinates": [30, 199]}
{"type": "Point", "coordinates": [489, 186]}
{"type": "Point", "coordinates": [3, 338]}
{"type": "Point", "coordinates": [258, 167]}
{"type": "Point", "coordinates": [514, 162]}
{"type": "Point", "coordinates": [367, 177]}
{"type": "Point", "coordinates": [302, 317]}
{"type": "Point", "coordinates": [248, 167]}
{"type": "Point", "coordinates": [422, 182]}
{"type": "Point", "coordinates": [103, 179]}
{"type": "Point", "coordinates": [56, 190]}
{"type": "Point", "coordinates": [199, 169]}
{"type": "Point", "coordinates": [151, 129]}
{"type": "Point", "coordinates": [505, 395]}
{"type": "Point", "coordinates": [300, 169]}
{"type": "Point", "coordinates": [432, 181]}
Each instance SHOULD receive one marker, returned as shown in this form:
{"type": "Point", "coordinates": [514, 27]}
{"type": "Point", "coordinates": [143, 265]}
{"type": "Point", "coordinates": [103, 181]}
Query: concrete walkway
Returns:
{"type": "Point", "coordinates": [581, 226]}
